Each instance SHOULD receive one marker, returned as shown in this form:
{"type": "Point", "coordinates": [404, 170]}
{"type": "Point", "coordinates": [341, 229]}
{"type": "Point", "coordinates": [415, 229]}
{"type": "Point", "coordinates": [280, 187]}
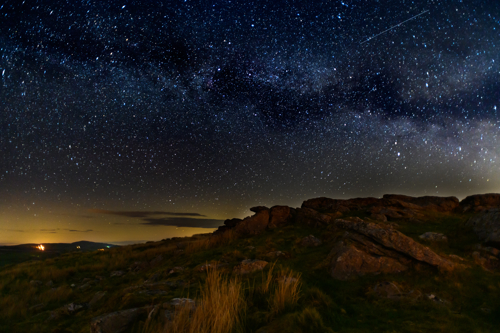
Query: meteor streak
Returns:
{"type": "Point", "coordinates": [394, 26]}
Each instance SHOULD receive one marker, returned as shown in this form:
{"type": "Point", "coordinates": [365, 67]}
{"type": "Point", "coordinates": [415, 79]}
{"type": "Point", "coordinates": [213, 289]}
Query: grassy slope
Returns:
{"type": "Point", "coordinates": [325, 305]}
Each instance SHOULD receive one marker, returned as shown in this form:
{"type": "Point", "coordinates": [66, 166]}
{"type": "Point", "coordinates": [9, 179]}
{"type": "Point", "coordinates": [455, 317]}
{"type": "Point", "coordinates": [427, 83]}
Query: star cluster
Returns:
{"type": "Point", "coordinates": [212, 107]}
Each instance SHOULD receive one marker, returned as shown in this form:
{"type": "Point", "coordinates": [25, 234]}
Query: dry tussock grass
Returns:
{"type": "Point", "coordinates": [212, 241]}
{"type": "Point", "coordinates": [218, 311]}
{"type": "Point", "coordinates": [286, 291]}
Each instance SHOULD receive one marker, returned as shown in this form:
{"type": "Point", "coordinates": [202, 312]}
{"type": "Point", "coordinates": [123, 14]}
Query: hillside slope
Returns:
{"type": "Point", "coordinates": [394, 264]}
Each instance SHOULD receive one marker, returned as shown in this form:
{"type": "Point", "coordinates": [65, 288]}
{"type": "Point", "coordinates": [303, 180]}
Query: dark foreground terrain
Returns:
{"type": "Point", "coordinates": [396, 264]}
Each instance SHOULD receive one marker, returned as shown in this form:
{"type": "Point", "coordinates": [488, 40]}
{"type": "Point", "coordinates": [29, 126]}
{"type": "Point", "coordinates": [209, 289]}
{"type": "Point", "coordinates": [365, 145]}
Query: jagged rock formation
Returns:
{"type": "Point", "coordinates": [264, 218]}
{"type": "Point", "coordinates": [480, 202]}
{"type": "Point", "coordinates": [390, 207]}
{"type": "Point", "coordinates": [373, 248]}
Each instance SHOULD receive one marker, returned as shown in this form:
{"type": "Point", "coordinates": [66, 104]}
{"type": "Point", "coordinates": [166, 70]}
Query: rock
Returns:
{"type": "Point", "coordinates": [253, 225]}
{"type": "Point", "coordinates": [428, 203]}
{"type": "Point", "coordinates": [480, 202]}
{"type": "Point", "coordinates": [96, 298]}
{"type": "Point", "coordinates": [85, 286]}
{"type": "Point", "coordinates": [277, 254]}
{"type": "Point", "coordinates": [280, 216]}
{"type": "Point", "coordinates": [67, 310]}
{"type": "Point", "coordinates": [378, 217]}
{"type": "Point", "coordinates": [338, 205]}
{"type": "Point", "coordinates": [231, 223]}
{"type": "Point", "coordinates": [310, 241]}
{"type": "Point", "coordinates": [258, 209]}
{"type": "Point", "coordinates": [396, 241]}
{"type": "Point", "coordinates": [486, 225]}
{"type": "Point", "coordinates": [184, 302]}
{"type": "Point", "coordinates": [117, 322]}
{"type": "Point", "coordinates": [176, 270]}
{"type": "Point", "coordinates": [347, 261]}
{"type": "Point", "coordinates": [206, 267]}
{"type": "Point", "coordinates": [395, 204]}
{"type": "Point", "coordinates": [436, 299]}
{"type": "Point", "coordinates": [455, 257]}
{"type": "Point", "coordinates": [489, 250]}
{"type": "Point", "coordinates": [387, 289]}
{"type": "Point", "coordinates": [488, 262]}
{"type": "Point", "coordinates": [313, 218]}
{"type": "Point", "coordinates": [249, 266]}
{"type": "Point", "coordinates": [117, 273]}
{"type": "Point", "coordinates": [152, 292]}
{"type": "Point", "coordinates": [434, 237]}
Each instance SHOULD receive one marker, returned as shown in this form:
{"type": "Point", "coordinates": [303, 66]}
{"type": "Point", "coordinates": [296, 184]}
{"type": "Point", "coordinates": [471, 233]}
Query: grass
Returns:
{"type": "Point", "coordinates": [218, 311]}
{"type": "Point", "coordinates": [286, 291]}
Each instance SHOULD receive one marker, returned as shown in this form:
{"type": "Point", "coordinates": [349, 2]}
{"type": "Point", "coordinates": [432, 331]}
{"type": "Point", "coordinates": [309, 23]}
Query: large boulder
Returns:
{"type": "Point", "coordinates": [280, 216]}
{"type": "Point", "coordinates": [348, 260]}
{"type": "Point", "coordinates": [486, 225]}
{"type": "Point", "coordinates": [395, 241]}
{"type": "Point", "coordinates": [117, 322]}
{"type": "Point", "coordinates": [253, 225]}
{"type": "Point", "coordinates": [480, 202]}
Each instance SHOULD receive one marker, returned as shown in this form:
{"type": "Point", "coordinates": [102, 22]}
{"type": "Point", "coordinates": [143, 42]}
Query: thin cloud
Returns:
{"type": "Point", "coordinates": [14, 230]}
{"type": "Point", "coordinates": [183, 222]}
{"type": "Point", "coordinates": [139, 214]}
{"type": "Point", "coordinates": [73, 230]}
{"type": "Point", "coordinates": [49, 230]}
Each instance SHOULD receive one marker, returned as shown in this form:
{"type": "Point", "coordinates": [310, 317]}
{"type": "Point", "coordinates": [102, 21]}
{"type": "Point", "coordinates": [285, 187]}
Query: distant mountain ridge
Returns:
{"type": "Point", "coordinates": [61, 247]}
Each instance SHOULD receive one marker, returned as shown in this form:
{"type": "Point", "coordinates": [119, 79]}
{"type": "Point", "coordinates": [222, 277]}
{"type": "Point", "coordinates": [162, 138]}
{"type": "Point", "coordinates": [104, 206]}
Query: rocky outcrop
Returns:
{"type": "Point", "coordinates": [313, 218]}
{"type": "Point", "coordinates": [338, 205]}
{"type": "Point", "coordinates": [350, 259]}
{"type": "Point", "coordinates": [264, 218]}
{"type": "Point", "coordinates": [429, 203]}
{"type": "Point", "coordinates": [395, 241]}
{"type": "Point", "coordinates": [390, 206]}
{"type": "Point", "coordinates": [486, 225]}
{"type": "Point", "coordinates": [369, 248]}
{"type": "Point", "coordinates": [249, 266]}
{"type": "Point", "coordinates": [253, 225]}
{"type": "Point", "coordinates": [480, 202]}
{"type": "Point", "coordinates": [117, 322]}
{"type": "Point", "coordinates": [280, 216]}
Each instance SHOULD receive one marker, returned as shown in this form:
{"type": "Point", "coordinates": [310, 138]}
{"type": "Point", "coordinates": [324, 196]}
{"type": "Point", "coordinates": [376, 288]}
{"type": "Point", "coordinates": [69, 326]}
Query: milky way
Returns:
{"type": "Point", "coordinates": [211, 107]}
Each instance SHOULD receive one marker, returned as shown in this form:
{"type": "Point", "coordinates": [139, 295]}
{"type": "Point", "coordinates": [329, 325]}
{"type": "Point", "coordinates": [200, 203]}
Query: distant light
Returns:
{"type": "Point", "coordinates": [107, 246]}
{"type": "Point", "coordinates": [78, 246]}
{"type": "Point", "coordinates": [41, 247]}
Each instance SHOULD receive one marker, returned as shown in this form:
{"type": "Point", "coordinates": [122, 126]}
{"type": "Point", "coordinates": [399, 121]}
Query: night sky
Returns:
{"type": "Point", "coordinates": [142, 120]}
